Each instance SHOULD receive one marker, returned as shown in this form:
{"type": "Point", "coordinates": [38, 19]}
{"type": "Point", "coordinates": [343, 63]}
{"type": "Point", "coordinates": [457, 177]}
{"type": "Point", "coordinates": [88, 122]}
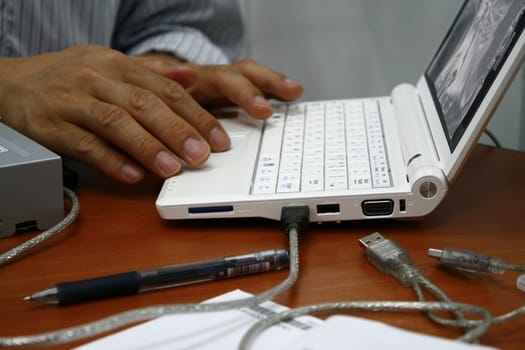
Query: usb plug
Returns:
{"type": "Point", "coordinates": [467, 260]}
{"type": "Point", "coordinates": [390, 258]}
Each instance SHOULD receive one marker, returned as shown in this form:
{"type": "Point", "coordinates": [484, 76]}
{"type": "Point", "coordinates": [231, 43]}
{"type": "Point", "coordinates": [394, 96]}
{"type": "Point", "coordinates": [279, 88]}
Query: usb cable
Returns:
{"type": "Point", "coordinates": [467, 260]}
{"type": "Point", "coordinates": [294, 220]}
{"type": "Point", "coordinates": [471, 261]}
{"type": "Point", "coordinates": [392, 259]}
{"type": "Point", "coordinates": [14, 253]}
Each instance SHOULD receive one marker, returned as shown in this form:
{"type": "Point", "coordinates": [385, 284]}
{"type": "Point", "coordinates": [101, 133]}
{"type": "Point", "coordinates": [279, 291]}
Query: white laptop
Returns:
{"type": "Point", "coordinates": [355, 159]}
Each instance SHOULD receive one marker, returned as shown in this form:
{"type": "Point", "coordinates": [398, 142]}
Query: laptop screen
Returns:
{"type": "Point", "coordinates": [469, 58]}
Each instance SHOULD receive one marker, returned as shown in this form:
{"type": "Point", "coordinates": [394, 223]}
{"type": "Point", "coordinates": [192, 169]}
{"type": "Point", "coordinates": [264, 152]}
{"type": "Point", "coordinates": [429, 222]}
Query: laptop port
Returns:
{"type": "Point", "coordinates": [26, 225]}
{"type": "Point", "coordinates": [214, 209]}
{"type": "Point", "coordinates": [328, 209]}
{"type": "Point", "coordinates": [402, 205]}
{"type": "Point", "coordinates": [378, 207]}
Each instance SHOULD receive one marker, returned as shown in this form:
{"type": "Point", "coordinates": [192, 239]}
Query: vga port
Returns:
{"type": "Point", "coordinates": [378, 207]}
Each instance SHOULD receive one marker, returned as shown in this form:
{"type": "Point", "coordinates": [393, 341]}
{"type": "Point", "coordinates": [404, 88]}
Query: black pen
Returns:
{"type": "Point", "coordinates": [67, 293]}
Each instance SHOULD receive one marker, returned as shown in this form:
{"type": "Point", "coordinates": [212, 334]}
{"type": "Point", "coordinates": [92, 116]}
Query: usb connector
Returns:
{"type": "Point", "coordinates": [390, 258]}
{"type": "Point", "coordinates": [467, 260]}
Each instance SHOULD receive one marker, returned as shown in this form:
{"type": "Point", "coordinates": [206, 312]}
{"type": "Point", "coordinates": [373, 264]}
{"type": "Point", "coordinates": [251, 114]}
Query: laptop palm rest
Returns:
{"type": "Point", "coordinates": [226, 175]}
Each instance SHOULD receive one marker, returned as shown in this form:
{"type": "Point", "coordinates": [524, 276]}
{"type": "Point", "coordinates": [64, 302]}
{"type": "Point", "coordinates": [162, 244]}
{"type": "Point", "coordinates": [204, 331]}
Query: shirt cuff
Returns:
{"type": "Point", "coordinates": [187, 44]}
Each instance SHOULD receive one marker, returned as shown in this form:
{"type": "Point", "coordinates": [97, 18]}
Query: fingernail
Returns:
{"type": "Point", "coordinates": [290, 82]}
{"type": "Point", "coordinates": [261, 102]}
{"type": "Point", "coordinates": [220, 139]}
{"type": "Point", "coordinates": [132, 173]}
{"type": "Point", "coordinates": [196, 150]}
{"type": "Point", "coordinates": [167, 163]}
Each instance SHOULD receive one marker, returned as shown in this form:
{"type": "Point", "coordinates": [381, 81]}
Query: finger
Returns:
{"type": "Point", "coordinates": [269, 81]}
{"type": "Point", "coordinates": [75, 142]}
{"type": "Point", "coordinates": [113, 123]}
{"type": "Point", "coordinates": [139, 122]}
{"type": "Point", "coordinates": [239, 90]}
{"type": "Point", "coordinates": [182, 74]}
{"type": "Point", "coordinates": [117, 126]}
{"type": "Point", "coordinates": [169, 112]}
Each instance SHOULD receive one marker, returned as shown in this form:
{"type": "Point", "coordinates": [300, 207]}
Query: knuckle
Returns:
{"type": "Point", "coordinates": [113, 115]}
{"type": "Point", "coordinates": [174, 93]}
{"type": "Point", "coordinates": [179, 131]}
{"type": "Point", "coordinates": [86, 75]}
{"type": "Point", "coordinates": [224, 71]}
{"type": "Point", "coordinates": [245, 63]}
{"type": "Point", "coordinates": [86, 72]}
{"type": "Point", "coordinates": [87, 144]}
{"type": "Point", "coordinates": [107, 159]}
{"type": "Point", "coordinates": [47, 127]}
{"type": "Point", "coordinates": [223, 68]}
{"type": "Point", "coordinates": [203, 119]}
{"type": "Point", "coordinates": [140, 99]}
{"type": "Point", "coordinates": [111, 55]}
{"type": "Point", "coordinates": [144, 144]}
{"type": "Point", "coordinates": [225, 75]}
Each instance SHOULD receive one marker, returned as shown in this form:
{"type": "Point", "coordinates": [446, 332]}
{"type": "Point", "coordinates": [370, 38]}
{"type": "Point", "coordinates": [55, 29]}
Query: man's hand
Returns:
{"type": "Point", "coordinates": [122, 114]}
{"type": "Point", "coordinates": [108, 110]}
{"type": "Point", "coordinates": [246, 83]}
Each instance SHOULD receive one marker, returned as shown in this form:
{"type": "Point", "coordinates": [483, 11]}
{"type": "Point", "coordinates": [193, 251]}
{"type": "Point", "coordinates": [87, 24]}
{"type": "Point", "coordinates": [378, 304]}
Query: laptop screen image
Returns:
{"type": "Point", "coordinates": [469, 59]}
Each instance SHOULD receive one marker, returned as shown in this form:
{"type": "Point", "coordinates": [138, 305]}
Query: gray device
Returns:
{"type": "Point", "coordinates": [31, 190]}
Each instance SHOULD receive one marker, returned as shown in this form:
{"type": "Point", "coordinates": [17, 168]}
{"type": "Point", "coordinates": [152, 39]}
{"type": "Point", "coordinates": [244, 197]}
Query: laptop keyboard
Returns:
{"type": "Point", "coordinates": [318, 146]}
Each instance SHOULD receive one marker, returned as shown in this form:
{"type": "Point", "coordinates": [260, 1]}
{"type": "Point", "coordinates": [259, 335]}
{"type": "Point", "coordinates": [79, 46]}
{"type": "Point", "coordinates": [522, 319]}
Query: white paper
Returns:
{"type": "Point", "coordinates": [210, 330]}
{"type": "Point", "coordinates": [345, 332]}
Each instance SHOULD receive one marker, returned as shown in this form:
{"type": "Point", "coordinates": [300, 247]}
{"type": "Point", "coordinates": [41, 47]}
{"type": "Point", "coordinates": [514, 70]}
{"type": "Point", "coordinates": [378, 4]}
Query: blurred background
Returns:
{"type": "Point", "coordinates": [360, 48]}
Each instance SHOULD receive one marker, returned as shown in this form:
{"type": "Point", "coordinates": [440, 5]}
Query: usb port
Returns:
{"type": "Point", "coordinates": [328, 209]}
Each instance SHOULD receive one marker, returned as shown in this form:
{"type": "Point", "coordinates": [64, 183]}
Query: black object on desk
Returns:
{"type": "Point", "coordinates": [127, 283]}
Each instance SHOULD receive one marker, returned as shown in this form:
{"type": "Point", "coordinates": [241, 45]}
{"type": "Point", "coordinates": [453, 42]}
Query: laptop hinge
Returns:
{"type": "Point", "coordinates": [419, 152]}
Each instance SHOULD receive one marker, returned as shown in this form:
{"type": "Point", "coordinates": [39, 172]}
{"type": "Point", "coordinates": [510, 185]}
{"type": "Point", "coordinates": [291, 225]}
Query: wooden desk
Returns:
{"type": "Point", "coordinates": [118, 230]}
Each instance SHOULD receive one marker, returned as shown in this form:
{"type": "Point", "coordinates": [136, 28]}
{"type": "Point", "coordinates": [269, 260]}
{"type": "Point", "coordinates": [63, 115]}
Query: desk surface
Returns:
{"type": "Point", "coordinates": [118, 230]}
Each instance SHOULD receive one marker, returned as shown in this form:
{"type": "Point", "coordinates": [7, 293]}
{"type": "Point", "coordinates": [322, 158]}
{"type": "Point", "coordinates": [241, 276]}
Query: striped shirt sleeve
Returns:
{"type": "Point", "coordinates": [31, 27]}
{"type": "Point", "coordinates": [201, 31]}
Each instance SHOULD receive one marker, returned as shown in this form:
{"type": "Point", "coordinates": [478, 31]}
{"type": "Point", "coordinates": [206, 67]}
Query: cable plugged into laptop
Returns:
{"type": "Point", "coordinates": [295, 218]}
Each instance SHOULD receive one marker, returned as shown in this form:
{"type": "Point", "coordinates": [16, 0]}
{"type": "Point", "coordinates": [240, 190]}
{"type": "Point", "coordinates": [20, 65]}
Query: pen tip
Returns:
{"type": "Point", "coordinates": [28, 298]}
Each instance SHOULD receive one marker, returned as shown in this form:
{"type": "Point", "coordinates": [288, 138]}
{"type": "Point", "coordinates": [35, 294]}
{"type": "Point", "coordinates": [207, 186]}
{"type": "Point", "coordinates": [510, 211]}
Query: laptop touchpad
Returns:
{"type": "Point", "coordinates": [225, 173]}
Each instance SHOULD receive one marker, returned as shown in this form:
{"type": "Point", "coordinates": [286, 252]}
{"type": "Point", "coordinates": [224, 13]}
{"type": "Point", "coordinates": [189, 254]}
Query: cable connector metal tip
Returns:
{"type": "Point", "coordinates": [371, 239]}
{"type": "Point", "coordinates": [435, 253]}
